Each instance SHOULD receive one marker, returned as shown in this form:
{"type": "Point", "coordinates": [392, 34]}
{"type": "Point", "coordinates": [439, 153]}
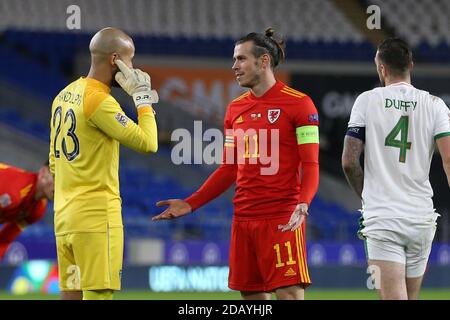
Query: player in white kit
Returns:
{"type": "Point", "coordinates": [397, 127]}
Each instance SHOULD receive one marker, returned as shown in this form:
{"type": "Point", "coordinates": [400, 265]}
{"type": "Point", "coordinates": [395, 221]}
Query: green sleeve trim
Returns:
{"type": "Point", "coordinates": [307, 134]}
{"type": "Point", "coordinates": [440, 135]}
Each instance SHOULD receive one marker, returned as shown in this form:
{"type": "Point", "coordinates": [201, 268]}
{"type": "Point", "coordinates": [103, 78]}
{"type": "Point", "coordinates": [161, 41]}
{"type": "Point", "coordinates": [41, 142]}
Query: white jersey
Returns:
{"type": "Point", "coordinates": [401, 124]}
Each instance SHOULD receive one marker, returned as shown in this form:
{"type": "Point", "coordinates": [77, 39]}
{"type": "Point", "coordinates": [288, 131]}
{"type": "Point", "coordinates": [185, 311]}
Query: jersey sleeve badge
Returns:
{"type": "Point", "coordinates": [122, 119]}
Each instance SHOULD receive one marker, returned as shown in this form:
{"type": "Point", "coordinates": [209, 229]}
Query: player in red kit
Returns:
{"type": "Point", "coordinates": [271, 152]}
{"type": "Point", "coordinates": [23, 200]}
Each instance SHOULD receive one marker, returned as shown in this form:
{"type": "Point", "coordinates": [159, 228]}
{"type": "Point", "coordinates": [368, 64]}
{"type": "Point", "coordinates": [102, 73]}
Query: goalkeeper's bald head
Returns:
{"type": "Point", "coordinates": [109, 41]}
{"type": "Point", "coordinates": [106, 46]}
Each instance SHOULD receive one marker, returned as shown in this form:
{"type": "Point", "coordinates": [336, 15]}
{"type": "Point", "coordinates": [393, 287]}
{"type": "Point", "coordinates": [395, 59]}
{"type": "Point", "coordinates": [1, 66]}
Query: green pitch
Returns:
{"type": "Point", "coordinates": [312, 294]}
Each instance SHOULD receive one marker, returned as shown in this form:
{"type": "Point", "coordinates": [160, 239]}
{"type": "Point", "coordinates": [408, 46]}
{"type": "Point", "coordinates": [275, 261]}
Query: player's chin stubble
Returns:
{"type": "Point", "coordinates": [250, 83]}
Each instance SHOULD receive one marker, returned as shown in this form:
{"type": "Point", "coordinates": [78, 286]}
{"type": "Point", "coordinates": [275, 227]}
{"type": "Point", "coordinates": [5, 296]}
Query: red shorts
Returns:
{"type": "Point", "coordinates": [262, 258]}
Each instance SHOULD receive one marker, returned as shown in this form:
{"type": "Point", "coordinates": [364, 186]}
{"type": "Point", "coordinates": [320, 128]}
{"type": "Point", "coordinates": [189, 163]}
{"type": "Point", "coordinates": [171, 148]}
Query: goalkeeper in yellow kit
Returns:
{"type": "Point", "coordinates": [87, 126]}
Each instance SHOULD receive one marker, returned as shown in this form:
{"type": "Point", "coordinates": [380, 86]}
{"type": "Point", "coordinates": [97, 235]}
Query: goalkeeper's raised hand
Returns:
{"type": "Point", "coordinates": [137, 84]}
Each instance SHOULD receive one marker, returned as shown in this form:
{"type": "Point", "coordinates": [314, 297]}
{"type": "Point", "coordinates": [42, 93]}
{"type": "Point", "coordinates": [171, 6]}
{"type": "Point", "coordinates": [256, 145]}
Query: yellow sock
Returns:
{"type": "Point", "coordinates": [98, 294]}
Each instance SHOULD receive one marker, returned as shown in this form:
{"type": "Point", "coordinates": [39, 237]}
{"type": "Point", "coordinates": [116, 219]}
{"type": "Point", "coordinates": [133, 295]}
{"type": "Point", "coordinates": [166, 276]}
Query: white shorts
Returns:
{"type": "Point", "coordinates": [400, 240]}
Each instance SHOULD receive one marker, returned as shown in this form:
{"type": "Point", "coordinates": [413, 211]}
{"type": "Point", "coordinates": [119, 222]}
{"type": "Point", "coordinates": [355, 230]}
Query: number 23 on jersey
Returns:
{"type": "Point", "coordinates": [69, 142]}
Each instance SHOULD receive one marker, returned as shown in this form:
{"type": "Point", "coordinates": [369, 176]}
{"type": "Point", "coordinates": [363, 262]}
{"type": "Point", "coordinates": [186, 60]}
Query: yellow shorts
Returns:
{"type": "Point", "coordinates": [90, 260]}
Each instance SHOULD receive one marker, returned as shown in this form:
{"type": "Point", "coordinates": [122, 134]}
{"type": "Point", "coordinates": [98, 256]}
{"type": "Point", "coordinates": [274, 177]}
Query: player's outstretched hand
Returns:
{"type": "Point", "coordinates": [297, 218]}
{"type": "Point", "coordinates": [177, 208]}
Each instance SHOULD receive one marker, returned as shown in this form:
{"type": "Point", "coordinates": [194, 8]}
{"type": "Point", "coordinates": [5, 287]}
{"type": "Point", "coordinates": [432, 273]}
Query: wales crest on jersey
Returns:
{"type": "Point", "coordinates": [273, 115]}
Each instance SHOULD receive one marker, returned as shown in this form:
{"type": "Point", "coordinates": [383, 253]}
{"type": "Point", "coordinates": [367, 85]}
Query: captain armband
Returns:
{"type": "Point", "coordinates": [307, 134]}
{"type": "Point", "coordinates": [357, 132]}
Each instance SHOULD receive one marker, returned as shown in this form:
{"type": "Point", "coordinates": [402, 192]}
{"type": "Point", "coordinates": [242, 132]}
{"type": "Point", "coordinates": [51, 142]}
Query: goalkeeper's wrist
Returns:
{"type": "Point", "coordinates": [145, 109]}
{"type": "Point", "coordinates": [145, 98]}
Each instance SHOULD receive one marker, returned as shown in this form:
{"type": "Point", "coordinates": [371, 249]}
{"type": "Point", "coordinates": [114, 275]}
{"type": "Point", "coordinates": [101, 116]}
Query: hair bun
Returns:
{"type": "Point", "coordinates": [280, 43]}
{"type": "Point", "coordinates": [269, 32]}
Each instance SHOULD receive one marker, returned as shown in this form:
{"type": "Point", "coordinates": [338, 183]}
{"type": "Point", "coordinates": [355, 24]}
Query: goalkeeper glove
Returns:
{"type": "Point", "coordinates": [136, 83]}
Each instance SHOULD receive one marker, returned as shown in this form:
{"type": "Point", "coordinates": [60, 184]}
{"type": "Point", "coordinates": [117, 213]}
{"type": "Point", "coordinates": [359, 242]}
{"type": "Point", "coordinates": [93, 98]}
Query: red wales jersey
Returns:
{"type": "Point", "coordinates": [271, 151]}
{"type": "Point", "coordinates": [265, 139]}
{"type": "Point", "coordinates": [17, 190]}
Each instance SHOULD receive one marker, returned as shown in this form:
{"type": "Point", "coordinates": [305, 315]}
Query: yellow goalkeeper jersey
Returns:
{"type": "Point", "coordinates": [87, 126]}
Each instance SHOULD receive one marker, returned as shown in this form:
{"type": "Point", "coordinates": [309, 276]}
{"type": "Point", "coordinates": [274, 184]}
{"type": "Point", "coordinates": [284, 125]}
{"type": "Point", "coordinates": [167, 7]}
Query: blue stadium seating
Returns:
{"type": "Point", "coordinates": [60, 48]}
{"type": "Point", "coordinates": [29, 74]}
